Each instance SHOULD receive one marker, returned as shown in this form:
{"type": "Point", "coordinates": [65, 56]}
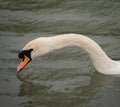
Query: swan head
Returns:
{"type": "Point", "coordinates": [32, 50]}
{"type": "Point", "coordinates": [25, 56]}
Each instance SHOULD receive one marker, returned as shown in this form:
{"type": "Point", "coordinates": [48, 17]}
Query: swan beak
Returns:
{"type": "Point", "coordinates": [23, 63]}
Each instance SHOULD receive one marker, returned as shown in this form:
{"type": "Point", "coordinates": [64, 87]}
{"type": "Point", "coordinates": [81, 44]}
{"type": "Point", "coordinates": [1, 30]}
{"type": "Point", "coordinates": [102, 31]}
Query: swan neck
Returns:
{"type": "Point", "coordinates": [87, 44]}
{"type": "Point", "coordinates": [97, 55]}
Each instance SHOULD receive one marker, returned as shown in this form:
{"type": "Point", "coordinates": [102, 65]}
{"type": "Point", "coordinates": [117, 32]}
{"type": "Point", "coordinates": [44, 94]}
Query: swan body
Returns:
{"type": "Point", "coordinates": [43, 45]}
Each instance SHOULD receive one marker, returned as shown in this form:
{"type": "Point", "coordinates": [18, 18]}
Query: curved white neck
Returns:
{"type": "Point", "coordinates": [99, 59]}
{"type": "Point", "coordinates": [92, 48]}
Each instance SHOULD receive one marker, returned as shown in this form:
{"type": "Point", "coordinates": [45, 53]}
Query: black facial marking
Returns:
{"type": "Point", "coordinates": [25, 52]}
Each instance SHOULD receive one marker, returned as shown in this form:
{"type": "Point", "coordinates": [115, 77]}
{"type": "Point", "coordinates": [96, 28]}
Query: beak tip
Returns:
{"type": "Point", "coordinates": [18, 69]}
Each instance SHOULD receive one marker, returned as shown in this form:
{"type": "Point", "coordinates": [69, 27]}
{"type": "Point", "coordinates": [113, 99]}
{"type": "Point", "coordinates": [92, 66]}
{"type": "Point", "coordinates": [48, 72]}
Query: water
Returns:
{"type": "Point", "coordinates": [66, 77]}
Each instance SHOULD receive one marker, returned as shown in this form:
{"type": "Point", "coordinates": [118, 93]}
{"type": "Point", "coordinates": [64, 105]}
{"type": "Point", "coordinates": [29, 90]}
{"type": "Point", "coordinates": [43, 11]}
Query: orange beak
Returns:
{"type": "Point", "coordinates": [23, 63]}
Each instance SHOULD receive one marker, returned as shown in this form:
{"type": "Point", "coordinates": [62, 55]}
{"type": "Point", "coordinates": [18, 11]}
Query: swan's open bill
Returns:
{"type": "Point", "coordinates": [43, 45]}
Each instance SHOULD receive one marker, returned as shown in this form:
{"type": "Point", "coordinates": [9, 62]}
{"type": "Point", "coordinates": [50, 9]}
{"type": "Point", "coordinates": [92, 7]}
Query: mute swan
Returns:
{"type": "Point", "coordinates": [43, 45]}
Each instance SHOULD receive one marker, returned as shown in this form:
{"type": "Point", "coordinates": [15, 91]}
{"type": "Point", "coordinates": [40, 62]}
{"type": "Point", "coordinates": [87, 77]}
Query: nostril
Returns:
{"type": "Point", "coordinates": [23, 58]}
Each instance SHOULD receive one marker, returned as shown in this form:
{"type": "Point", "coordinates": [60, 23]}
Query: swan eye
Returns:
{"type": "Point", "coordinates": [31, 50]}
{"type": "Point", "coordinates": [21, 55]}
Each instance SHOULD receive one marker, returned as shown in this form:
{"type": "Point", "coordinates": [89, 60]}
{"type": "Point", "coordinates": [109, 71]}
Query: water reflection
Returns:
{"type": "Point", "coordinates": [84, 96]}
